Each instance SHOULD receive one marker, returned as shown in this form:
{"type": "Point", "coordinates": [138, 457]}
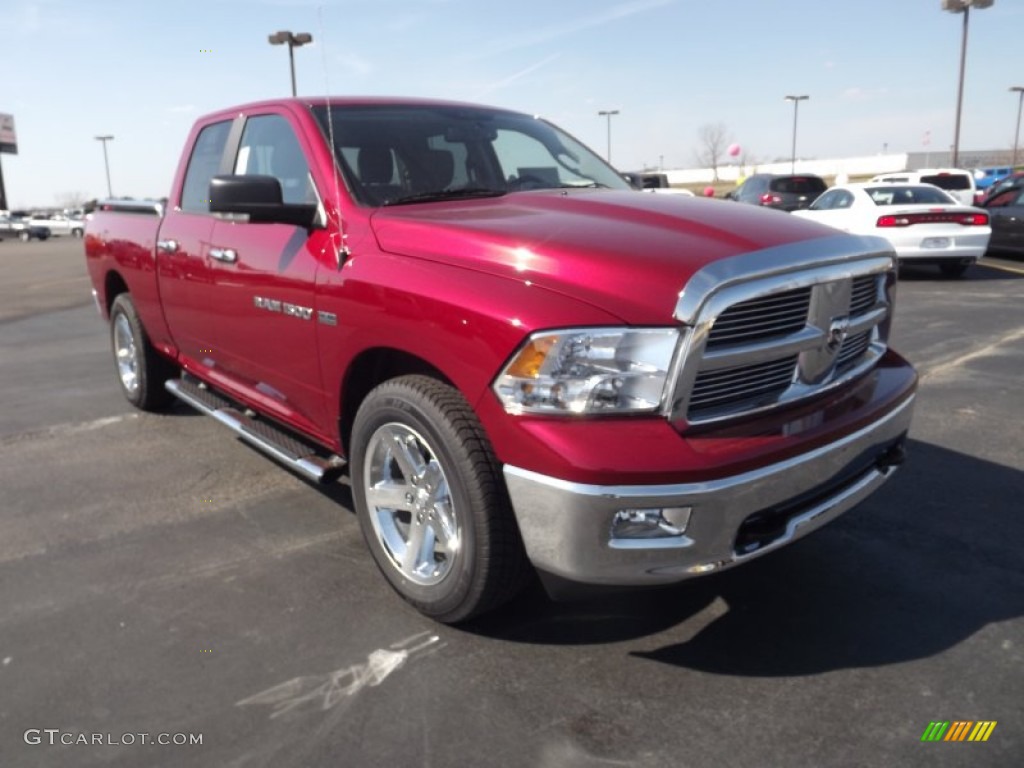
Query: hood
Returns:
{"type": "Point", "coordinates": [625, 252]}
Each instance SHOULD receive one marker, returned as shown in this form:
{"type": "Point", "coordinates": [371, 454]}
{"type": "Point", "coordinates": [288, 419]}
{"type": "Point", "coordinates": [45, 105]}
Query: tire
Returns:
{"type": "Point", "coordinates": [141, 370]}
{"type": "Point", "coordinates": [417, 445]}
{"type": "Point", "coordinates": [953, 269]}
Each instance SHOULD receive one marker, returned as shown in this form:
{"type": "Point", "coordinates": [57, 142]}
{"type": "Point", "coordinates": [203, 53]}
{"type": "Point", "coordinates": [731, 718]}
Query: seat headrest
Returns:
{"type": "Point", "coordinates": [438, 169]}
{"type": "Point", "coordinates": [376, 166]}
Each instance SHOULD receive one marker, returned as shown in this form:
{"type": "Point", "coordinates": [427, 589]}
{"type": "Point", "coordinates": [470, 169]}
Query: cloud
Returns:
{"type": "Point", "coordinates": [506, 81]}
{"type": "Point", "coordinates": [547, 34]}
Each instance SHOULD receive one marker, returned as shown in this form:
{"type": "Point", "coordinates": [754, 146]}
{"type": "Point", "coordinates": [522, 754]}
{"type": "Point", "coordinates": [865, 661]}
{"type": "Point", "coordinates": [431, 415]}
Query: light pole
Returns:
{"type": "Point", "coordinates": [607, 113]}
{"type": "Point", "coordinates": [962, 6]}
{"type": "Point", "coordinates": [293, 41]}
{"type": "Point", "coordinates": [1019, 90]}
{"type": "Point", "coordinates": [106, 161]}
{"type": "Point", "coordinates": [796, 106]}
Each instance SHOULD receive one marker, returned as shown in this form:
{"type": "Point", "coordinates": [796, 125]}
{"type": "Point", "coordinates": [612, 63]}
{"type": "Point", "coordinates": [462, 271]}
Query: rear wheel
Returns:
{"type": "Point", "coordinates": [140, 368]}
{"type": "Point", "coordinates": [431, 501]}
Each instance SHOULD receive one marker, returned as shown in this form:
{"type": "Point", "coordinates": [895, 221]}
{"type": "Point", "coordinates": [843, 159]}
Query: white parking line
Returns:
{"type": "Point", "coordinates": [1009, 338]}
{"type": "Point", "coordinates": [1003, 267]}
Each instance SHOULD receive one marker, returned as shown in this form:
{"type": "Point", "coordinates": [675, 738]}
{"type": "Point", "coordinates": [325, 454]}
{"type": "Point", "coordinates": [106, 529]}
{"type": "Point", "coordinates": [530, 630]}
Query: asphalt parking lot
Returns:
{"type": "Point", "coordinates": [159, 577]}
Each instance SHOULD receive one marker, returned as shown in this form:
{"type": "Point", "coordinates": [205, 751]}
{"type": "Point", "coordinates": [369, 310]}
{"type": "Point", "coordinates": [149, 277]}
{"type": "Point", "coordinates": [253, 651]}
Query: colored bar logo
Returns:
{"type": "Point", "coordinates": [958, 730]}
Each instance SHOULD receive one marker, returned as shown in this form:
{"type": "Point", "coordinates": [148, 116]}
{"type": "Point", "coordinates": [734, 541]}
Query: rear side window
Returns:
{"type": "Point", "coordinates": [832, 200]}
{"type": "Point", "coordinates": [799, 185]}
{"type": "Point", "coordinates": [948, 180]}
{"type": "Point", "coordinates": [203, 166]}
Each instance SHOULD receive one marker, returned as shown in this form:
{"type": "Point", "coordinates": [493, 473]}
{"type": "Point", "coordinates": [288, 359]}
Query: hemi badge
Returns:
{"type": "Point", "coordinates": [327, 318]}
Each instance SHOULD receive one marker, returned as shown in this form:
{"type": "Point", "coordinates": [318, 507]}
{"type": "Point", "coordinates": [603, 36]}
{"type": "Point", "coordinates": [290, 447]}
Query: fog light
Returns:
{"type": "Point", "coordinates": [650, 523]}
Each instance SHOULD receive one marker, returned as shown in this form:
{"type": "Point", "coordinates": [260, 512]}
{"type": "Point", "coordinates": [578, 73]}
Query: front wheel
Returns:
{"type": "Point", "coordinates": [140, 368]}
{"type": "Point", "coordinates": [431, 501]}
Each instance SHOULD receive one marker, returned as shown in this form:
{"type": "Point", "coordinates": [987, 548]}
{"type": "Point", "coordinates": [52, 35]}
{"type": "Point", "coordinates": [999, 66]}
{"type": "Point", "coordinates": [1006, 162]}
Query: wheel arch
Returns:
{"type": "Point", "coordinates": [113, 285]}
{"type": "Point", "coordinates": [371, 368]}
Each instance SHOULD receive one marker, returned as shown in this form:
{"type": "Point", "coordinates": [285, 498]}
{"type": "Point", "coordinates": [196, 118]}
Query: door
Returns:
{"type": "Point", "coordinates": [265, 278]}
{"type": "Point", "coordinates": [1006, 213]}
{"type": "Point", "coordinates": [185, 280]}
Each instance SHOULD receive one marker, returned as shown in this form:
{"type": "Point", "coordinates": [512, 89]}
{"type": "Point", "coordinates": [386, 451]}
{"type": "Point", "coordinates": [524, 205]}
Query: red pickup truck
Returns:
{"type": "Point", "coordinates": [517, 359]}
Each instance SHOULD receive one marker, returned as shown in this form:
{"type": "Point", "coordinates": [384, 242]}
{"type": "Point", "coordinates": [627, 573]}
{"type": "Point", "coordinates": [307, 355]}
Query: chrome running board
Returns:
{"type": "Point", "coordinates": [294, 453]}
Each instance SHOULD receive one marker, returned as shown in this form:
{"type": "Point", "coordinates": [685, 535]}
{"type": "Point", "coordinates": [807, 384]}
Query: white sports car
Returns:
{"type": "Point", "coordinates": [922, 222]}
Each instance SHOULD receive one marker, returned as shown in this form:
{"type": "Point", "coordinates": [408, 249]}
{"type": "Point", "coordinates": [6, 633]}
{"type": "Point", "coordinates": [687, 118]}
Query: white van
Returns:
{"type": "Point", "coordinates": [957, 182]}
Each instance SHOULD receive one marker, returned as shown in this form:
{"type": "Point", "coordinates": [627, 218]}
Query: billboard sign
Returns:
{"type": "Point", "coordinates": [8, 139]}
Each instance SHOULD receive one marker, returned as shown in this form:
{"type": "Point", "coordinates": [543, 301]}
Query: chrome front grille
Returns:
{"type": "Point", "coordinates": [774, 339]}
{"type": "Point", "coordinates": [852, 349]}
{"type": "Point", "coordinates": [865, 294]}
{"type": "Point", "coordinates": [761, 318]}
{"type": "Point", "coordinates": [741, 383]}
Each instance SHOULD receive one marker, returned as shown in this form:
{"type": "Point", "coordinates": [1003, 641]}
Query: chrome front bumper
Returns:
{"type": "Point", "coordinates": [567, 527]}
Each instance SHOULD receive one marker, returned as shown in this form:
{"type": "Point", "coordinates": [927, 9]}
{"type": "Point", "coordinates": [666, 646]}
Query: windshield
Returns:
{"type": "Point", "coordinates": [798, 185]}
{"type": "Point", "coordinates": [898, 194]}
{"type": "Point", "coordinates": [390, 155]}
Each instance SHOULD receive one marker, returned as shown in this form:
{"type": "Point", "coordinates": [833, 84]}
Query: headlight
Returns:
{"type": "Point", "coordinates": [589, 370]}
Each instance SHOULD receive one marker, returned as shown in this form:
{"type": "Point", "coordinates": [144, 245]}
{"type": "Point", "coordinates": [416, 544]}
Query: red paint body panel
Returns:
{"type": "Point", "coordinates": [459, 285]}
{"type": "Point", "coordinates": [628, 254]}
{"type": "Point", "coordinates": [648, 451]}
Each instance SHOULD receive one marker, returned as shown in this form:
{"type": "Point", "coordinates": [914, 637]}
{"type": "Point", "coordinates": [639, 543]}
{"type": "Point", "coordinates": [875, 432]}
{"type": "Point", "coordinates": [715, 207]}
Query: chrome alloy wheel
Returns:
{"type": "Point", "coordinates": [126, 354]}
{"type": "Point", "coordinates": [410, 504]}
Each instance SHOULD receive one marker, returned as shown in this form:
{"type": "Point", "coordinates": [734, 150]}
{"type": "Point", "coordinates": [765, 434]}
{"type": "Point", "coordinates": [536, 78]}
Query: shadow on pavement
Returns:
{"type": "Point", "coordinates": [927, 273]}
{"type": "Point", "coordinates": [927, 562]}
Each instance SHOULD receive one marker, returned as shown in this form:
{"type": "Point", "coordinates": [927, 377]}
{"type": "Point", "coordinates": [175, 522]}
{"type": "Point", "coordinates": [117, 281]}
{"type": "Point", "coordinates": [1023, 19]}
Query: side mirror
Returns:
{"type": "Point", "coordinates": [260, 198]}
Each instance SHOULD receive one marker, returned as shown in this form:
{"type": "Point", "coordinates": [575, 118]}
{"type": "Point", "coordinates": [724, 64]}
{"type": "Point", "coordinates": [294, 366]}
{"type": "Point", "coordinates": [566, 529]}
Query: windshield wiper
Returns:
{"type": "Point", "coordinates": [462, 193]}
{"type": "Point", "coordinates": [587, 185]}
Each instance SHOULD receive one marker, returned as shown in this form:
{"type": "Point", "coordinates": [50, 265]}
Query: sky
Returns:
{"type": "Point", "coordinates": [880, 74]}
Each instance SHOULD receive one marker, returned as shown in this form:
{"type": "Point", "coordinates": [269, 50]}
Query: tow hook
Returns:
{"type": "Point", "coordinates": [893, 456]}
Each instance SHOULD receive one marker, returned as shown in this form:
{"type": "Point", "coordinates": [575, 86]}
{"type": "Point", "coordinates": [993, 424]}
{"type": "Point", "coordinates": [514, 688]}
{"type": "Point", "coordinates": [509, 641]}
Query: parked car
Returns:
{"type": "Point", "coordinates": [21, 228]}
{"type": "Point", "coordinates": [1006, 210]}
{"type": "Point", "coordinates": [58, 223]}
{"type": "Point", "coordinates": [924, 224]}
{"type": "Point", "coordinates": [984, 178]}
{"type": "Point", "coordinates": [1015, 179]}
{"type": "Point", "coordinates": [959, 183]}
{"type": "Point", "coordinates": [788, 193]}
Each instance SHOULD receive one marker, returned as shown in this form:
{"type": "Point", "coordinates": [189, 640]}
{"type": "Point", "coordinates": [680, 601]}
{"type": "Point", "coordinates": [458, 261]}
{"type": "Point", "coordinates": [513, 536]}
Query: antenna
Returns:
{"type": "Point", "coordinates": [342, 251]}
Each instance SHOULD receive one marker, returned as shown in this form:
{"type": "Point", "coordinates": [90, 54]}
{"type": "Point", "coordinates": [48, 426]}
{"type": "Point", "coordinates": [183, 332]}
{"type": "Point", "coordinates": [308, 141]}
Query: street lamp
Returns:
{"type": "Point", "coordinates": [796, 106]}
{"type": "Point", "coordinates": [962, 6]}
{"type": "Point", "coordinates": [293, 41]}
{"type": "Point", "coordinates": [106, 161]}
{"type": "Point", "coordinates": [1016, 134]}
{"type": "Point", "coordinates": [608, 114]}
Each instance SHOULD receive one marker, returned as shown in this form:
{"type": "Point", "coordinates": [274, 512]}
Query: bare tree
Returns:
{"type": "Point", "coordinates": [68, 200]}
{"type": "Point", "coordinates": [714, 138]}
